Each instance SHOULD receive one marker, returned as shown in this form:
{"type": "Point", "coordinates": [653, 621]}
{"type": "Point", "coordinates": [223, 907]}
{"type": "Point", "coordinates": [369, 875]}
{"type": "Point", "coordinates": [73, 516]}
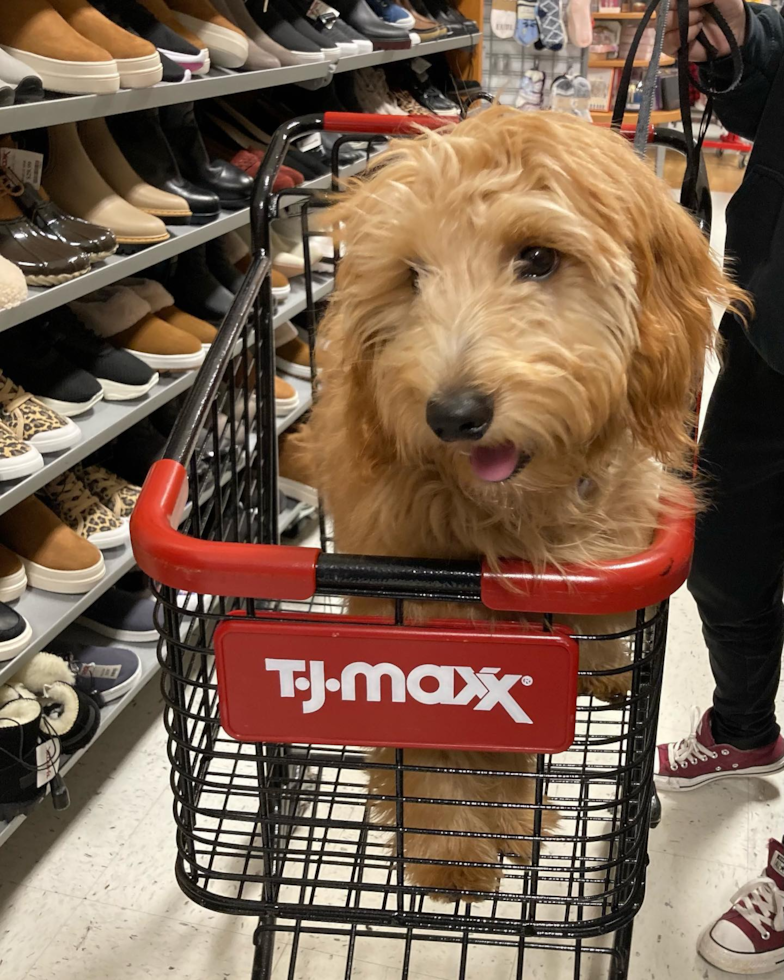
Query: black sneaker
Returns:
{"type": "Point", "coordinates": [122, 616]}
{"type": "Point", "coordinates": [15, 632]}
{"type": "Point", "coordinates": [105, 672]}
{"type": "Point", "coordinates": [46, 373]}
{"type": "Point", "coordinates": [276, 25]}
{"type": "Point", "coordinates": [121, 375]}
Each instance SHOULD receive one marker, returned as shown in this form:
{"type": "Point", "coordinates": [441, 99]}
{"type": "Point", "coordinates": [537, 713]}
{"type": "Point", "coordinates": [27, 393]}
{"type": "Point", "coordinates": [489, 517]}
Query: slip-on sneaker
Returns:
{"type": "Point", "coordinates": [17, 458]}
{"type": "Point", "coordinates": [109, 672]}
{"type": "Point", "coordinates": [122, 615]}
{"type": "Point", "coordinates": [226, 43]}
{"type": "Point", "coordinates": [34, 423]}
{"type": "Point", "coordinates": [170, 44]}
{"type": "Point", "coordinates": [113, 491]}
{"type": "Point", "coordinates": [55, 558]}
{"type": "Point", "coordinates": [15, 633]}
{"type": "Point", "coordinates": [25, 83]}
{"type": "Point", "coordinates": [13, 580]}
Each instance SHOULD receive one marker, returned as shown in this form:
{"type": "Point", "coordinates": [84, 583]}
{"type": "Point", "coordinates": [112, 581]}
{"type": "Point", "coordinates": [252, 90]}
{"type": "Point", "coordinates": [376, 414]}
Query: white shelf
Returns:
{"type": "Point", "coordinates": [62, 109]}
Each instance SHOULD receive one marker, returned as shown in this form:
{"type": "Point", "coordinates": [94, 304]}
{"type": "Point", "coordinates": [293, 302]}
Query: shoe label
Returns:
{"type": "Point", "coordinates": [451, 684]}
{"type": "Point", "coordinates": [47, 761]}
{"type": "Point", "coordinates": [25, 164]}
{"type": "Point", "coordinates": [322, 12]}
{"type": "Point", "coordinates": [310, 142]}
{"type": "Point", "coordinates": [777, 862]}
{"type": "Point", "coordinates": [419, 66]}
{"type": "Point", "coordinates": [106, 672]}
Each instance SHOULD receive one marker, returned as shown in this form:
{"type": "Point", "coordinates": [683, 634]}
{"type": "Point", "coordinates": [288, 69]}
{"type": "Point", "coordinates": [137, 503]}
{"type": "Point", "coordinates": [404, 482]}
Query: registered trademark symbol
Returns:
{"type": "Point", "coordinates": [528, 680]}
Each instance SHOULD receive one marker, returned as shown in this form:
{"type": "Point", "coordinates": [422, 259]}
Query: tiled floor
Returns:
{"type": "Point", "coordinates": [89, 894]}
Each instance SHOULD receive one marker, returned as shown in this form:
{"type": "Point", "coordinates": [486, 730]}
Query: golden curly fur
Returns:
{"type": "Point", "coordinates": [592, 372]}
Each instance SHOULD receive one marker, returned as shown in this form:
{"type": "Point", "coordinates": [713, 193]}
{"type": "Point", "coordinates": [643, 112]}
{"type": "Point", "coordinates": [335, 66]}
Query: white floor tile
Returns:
{"type": "Point", "coordinates": [29, 918]}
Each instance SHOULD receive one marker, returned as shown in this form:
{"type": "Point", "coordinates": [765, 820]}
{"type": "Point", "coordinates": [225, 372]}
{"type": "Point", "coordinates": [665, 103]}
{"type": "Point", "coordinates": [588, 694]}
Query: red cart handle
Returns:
{"type": "Point", "coordinates": [359, 122]}
{"type": "Point", "coordinates": [264, 571]}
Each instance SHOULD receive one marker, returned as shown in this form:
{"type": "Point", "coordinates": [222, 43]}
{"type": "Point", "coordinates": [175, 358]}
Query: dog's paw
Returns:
{"type": "Point", "coordinates": [612, 688]}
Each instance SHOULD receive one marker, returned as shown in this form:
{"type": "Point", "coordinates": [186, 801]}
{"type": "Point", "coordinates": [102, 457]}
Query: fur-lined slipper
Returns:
{"type": "Point", "coordinates": [69, 714]}
{"type": "Point", "coordinates": [162, 304]}
{"type": "Point", "coordinates": [153, 293]}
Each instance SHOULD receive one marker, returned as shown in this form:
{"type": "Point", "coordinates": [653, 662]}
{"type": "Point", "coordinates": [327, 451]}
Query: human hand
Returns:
{"type": "Point", "coordinates": [734, 12]}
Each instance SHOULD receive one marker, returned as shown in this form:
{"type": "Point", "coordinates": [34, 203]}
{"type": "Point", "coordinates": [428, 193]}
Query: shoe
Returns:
{"type": "Point", "coordinates": [105, 154]}
{"type": "Point", "coordinates": [20, 739]}
{"type": "Point", "coordinates": [144, 145]}
{"type": "Point", "coordinates": [284, 332]}
{"type": "Point", "coordinates": [137, 60]}
{"type": "Point", "coordinates": [121, 375]}
{"type": "Point", "coordinates": [105, 672]}
{"type": "Point", "coordinates": [161, 303]}
{"type": "Point", "coordinates": [408, 104]}
{"type": "Point", "coordinates": [95, 242]}
{"type": "Point", "coordinates": [231, 185]}
{"type": "Point", "coordinates": [373, 92]}
{"type": "Point", "coordinates": [13, 287]}
{"type": "Point", "coordinates": [34, 423]}
{"type": "Point", "coordinates": [53, 379]}
{"type": "Point", "coordinates": [286, 397]}
{"type": "Point", "coordinates": [13, 582]}
{"type": "Point", "coordinates": [273, 23]}
{"type": "Point", "coordinates": [68, 498]}
{"type": "Point", "coordinates": [220, 252]}
{"type": "Point", "coordinates": [122, 615]}
{"type": "Point", "coordinates": [136, 18]}
{"type": "Point", "coordinates": [196, 289]}
{"type": "Point", "coordinates": [71, 715]}
{"type": "Point", "coordinates": [33, 32]}
{"type": "Point", "coordinates": [136, 450]}
{"type": "Point", "coordinates": [227, 45]}
{"type": "Point", "coordinates": [698, 759]}
{"type": "Point", "coordinates": [25, 84]}
{"type": "Point", "coordinates": [281, 287]}
{"type": "Point", "coordinates": [17, 458]}
{"type": "Point", "coordinates": [293, 478]}
{"type": "Point", "coordinates": [259, 58]}
{"type": "Point", "coordinates": [55, 558]}
{"type": "Point", "coordinates": [327, 26]}
{"type": "Point", "coordinates": [115, 493]}
{"type": "Point", "coordinates": [293, 358]}
{"type": "Point", "coordinates": [122, 317]}
{"type": "Point", "coordinates": [74, 183]}
{"type": "Point", "coordinates": [288, 250]}
{"type": "Point", "coordinates": [392, 13]}
{"type": "Point", "coordinates": [43, 261]}
{"type": "Point", "coordinates": [749, 938]}
{"type": "Point", "coordinates": [164, 16]}
{"type": "Point", "coordinates": [237, 13]}
{"type": "Point", "coordinates": [424, 28]}
{"type": "Point", "coordinates": [357, 14]}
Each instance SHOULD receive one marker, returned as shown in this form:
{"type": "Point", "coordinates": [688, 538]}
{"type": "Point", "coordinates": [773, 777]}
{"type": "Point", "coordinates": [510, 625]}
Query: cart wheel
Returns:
{"type": "Point", "coordinates": [656, 809]}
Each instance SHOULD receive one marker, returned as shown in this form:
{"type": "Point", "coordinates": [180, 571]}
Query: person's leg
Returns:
{"type": "Point", "coordinates": [738, 570]}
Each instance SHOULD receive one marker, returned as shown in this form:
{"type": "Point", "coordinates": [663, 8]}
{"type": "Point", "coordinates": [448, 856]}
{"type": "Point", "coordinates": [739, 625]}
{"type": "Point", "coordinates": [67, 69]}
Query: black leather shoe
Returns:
{"type": "Point", "coordinates": [357, 14]}
{"type": "Point", "coordinates": [144, 145]}
{"type": "Point", "coordinates": [232, 186]}
{"type": "Point", "coordinates": [15, 633]}
{"type": "Point", "coordinates": [96, 242]}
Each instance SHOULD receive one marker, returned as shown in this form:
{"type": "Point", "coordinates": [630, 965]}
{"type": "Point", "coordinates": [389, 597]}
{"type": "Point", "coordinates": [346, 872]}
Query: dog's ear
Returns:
{"type": "Point", "coordinates": [677, 280]}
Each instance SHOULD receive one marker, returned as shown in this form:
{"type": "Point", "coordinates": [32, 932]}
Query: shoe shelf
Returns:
{"type": "Point", "coordinates": [73, 108]}
{"type": "Point", "coordinates": [48, 613]}
{"type": "Point", "coordinates": [43, 300]}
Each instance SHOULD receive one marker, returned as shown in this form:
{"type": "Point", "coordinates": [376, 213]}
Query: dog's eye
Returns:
{"type": "Point", "coordinates": [536, 262]}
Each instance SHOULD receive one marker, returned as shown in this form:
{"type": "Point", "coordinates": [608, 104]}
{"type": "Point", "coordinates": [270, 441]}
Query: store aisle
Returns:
{"type": "Point", "coordinates": [89, 894]}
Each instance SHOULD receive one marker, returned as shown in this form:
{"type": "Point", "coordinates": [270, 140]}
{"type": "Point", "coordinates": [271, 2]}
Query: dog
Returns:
{"type": "Point", "coordinates": [508, 365]}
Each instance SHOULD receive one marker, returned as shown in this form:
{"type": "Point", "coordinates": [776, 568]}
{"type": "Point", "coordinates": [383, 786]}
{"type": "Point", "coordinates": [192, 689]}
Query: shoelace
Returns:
{"type": "Point", "coordinates": [72, 495]}
{"type": "Point", "coordinates": [105, 481]}
{"type": "Point", "coordinates": [12, 396]}
{"type": "Point", "coordinates": [761, 903]}
{"type": "Point", "coordinates": [689, 751]}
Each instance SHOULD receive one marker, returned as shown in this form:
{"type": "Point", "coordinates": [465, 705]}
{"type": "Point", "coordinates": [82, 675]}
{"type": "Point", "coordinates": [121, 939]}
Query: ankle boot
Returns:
{"type": "Point", "coordinates": [232, 186]}
{"type": "Point", "coordinates": [76, 186]}
{"type": "Point", "coordinates": [20, 719]}
{"type": "Point", "coordinates": [197, 290]}
{"type": "Point", "coordinates": [144, 145]}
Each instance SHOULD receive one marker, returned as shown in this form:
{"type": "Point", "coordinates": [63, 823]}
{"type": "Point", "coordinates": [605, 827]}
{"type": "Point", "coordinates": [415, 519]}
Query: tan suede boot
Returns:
{"type": "Point", "coordinates": [138, 61]}
{"type": "Point", "coordinates": [34, 32]}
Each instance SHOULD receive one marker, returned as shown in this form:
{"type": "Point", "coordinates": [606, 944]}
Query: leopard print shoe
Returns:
{"type": "Point", "coordinates": [32, 422]}
{"type": "Point", "coordinates": [84, 513]}
{"type": "Point", "coordinates": [117, 494]}
{"type": "Point", "coordinates": [17, 458]}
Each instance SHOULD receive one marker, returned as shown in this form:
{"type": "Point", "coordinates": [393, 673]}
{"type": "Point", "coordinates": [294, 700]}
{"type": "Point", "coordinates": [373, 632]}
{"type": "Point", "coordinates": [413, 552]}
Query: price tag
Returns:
{"type": "Point", "coordinates": [47, 761]}
{"type": "Point", "coordinates": [107, 672]}
{"type": "Point", "coordinates": [25, 164]}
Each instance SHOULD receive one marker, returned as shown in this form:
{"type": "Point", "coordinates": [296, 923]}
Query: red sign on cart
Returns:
{"type": "Point", "coordinates": [467, 686]}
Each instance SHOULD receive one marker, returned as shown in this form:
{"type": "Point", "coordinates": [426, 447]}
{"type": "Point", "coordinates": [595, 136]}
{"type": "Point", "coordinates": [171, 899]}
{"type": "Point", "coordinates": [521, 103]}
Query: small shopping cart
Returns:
{"type": "Point", "coordinates": [275, 691]}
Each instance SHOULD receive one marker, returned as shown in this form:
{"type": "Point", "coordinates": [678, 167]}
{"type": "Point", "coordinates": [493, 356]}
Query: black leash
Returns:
{"type": "Point", "coordinates": [693, 147]}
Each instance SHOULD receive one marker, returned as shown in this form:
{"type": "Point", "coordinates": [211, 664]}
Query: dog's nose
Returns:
{"type": "Point", "coordinates": [465, 413]}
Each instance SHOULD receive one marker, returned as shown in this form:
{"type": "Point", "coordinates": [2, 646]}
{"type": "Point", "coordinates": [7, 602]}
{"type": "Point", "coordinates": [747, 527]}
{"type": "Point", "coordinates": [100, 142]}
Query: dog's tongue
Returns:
{"type": "Point", "coordinates": [494, 463]}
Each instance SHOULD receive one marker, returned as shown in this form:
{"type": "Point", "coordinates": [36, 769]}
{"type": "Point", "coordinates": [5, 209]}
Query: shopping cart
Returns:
{"type": "Point", "coordinates": [274, 692]}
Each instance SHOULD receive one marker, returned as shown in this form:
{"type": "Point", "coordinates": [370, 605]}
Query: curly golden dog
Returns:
{"type": "Point", "coordinates": [509, 359]}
